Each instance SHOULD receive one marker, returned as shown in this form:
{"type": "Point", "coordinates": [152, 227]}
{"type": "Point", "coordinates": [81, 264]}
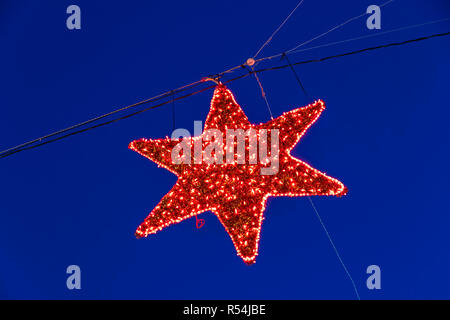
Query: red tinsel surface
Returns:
{"type": "Point", "coordinates": [236, 193]}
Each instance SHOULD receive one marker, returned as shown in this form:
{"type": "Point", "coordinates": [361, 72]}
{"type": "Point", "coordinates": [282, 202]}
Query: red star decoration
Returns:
{"type": "Point", "coordinates": [235, 193]}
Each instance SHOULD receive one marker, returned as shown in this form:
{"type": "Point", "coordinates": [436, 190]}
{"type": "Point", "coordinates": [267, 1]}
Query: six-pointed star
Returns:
{"type": "Point", "coordinates": [235, 193]}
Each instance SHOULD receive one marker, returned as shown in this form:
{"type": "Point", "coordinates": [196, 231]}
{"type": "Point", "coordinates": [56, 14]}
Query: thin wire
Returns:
{"type": "Point", "coordinates": [251, 71]}
{"type": "Point", "coordinates": [335, 28]}
{"type": "Point", "coordinates": [334, 248]}
{"type": "Point", "coordinates": [155, 98]}
{"type": "Point", "coordinates": [38, 142]}
{"type": "Point", "coordinates": [115, 120]}
{"type": "Point", "coordinates": [310, 200]}
{"type": "Point", "coordinates": [296, 76]}
{"type": "Point", "coordinates": [348, 40]}
{"type": "Point", "coordinates": [357, 51]}
{"type": "Point", "coordinates": [353, 39]}
{"type": "Point", "coordinates": [4, 155]}
{"type": "Point", "coordinates": [371, 35]}
{"type": "Point", "coordinates": [263, 94]}
{"type": "Point", "coordinates": [173, 111]}
{"type": "Point", "coordinates": [278, 29]}
{"type": "Point", "coordinates": [312, 203]}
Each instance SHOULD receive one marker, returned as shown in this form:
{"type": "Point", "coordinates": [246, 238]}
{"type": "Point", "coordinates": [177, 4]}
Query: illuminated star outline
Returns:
{"type": "Point", "coordinates": [235, 193]}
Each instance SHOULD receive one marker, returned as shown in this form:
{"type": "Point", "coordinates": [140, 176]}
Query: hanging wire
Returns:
{"type": "Point", "coordinates": [146, 101]}
{"type": "Point", "coordinates": [334, 248]}
{"type": "Point", "coordinates": [54, 136]}
{"type": "Point", "coordinates": [372, 35]}
{"type": "Point", "coordinates": [319, 36]}
{"type": "Point", "coordinates": [335, 28]}
{"type": "Point", "coordinates": [263, 94]}
{"type": "Point", "coordinates": [251, 71]}
{"type": "Point", "coordinates": [330, 239]}
{"type": "Point", "coordinates": [357, 51]}
{"type": "Point", "coordinates": [284, 56]}
{"type": "Point", "coordinates": [173, 110]}
{"type": "Point", "coordinates": [278, 29]}
{"type": "Point", "coordinates": [29, 145]}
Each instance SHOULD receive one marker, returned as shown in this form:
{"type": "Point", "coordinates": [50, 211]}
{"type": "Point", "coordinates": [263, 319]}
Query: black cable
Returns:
{"type": "Point", "coordinates": [284, 55]}
{"type": "Point", "coordinates": [115, 120]}
{"type": "Point", "coordinates": [101, 124]}
{"type": "Point", "coordinates": [153, 99]}
{"type": "Point", "coordinates": [357, 51]}
{"type": "Point", "coordinates": [173, 111]}
{"type": "Point", "coordinates": [34, 143]}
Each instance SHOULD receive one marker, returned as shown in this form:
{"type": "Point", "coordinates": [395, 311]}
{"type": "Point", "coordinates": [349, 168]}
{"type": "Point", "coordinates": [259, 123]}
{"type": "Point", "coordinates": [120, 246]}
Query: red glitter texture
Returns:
{"type": "Point", "coordinates": [235, 193]}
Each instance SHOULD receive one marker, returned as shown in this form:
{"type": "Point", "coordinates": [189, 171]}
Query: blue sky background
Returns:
{"type": "Point", "coordinates": [384, 134]}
